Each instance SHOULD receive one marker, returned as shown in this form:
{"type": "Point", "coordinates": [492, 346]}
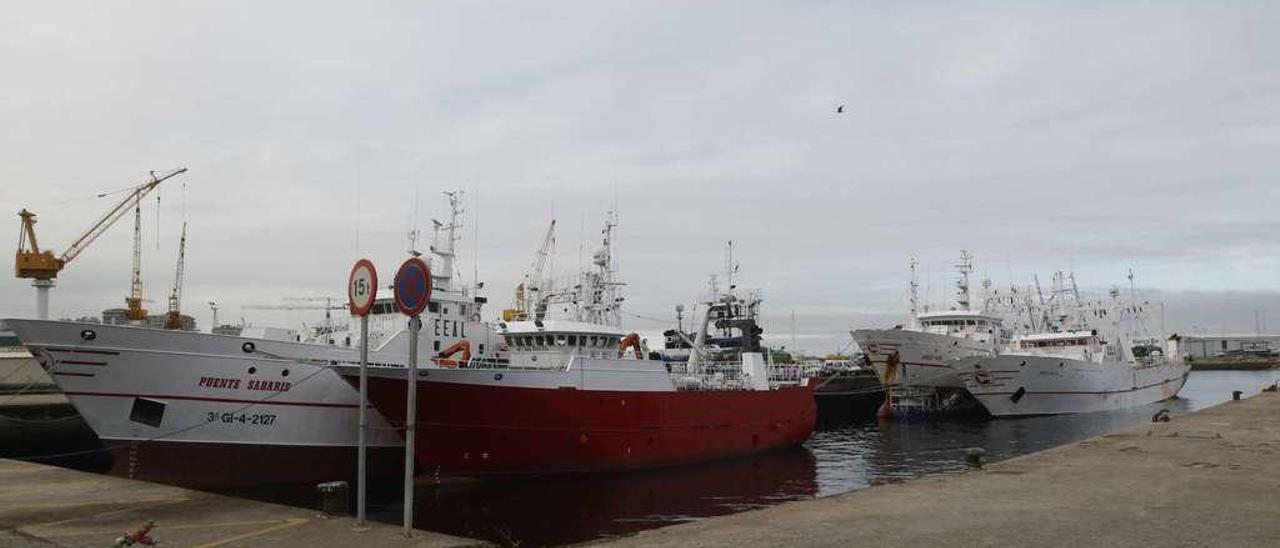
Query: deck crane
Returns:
{"type": "Point", "coordinates": [528, 292]}
{"type": "Point", "coordinates": [43, 267]}
{"type": "Point", "coordinates": [174, 319]}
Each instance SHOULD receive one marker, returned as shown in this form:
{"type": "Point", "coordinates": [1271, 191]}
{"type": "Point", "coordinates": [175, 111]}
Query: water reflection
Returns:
{"type": "Point", "coordinates": [563, 510]}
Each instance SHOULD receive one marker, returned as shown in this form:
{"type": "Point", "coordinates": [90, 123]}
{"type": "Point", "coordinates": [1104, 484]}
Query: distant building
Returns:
{"type": "Point", "coordinates": [116, 316]}
{"type": "Point", "coordinates": [1226, 346]}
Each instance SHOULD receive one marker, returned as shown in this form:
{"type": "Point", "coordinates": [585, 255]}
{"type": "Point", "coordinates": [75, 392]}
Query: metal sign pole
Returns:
{"type": "Point", "coordinates": [410, 425]}
{"type": "Point", "coordinates": [362, 290]}
{"type": "Point", "coordinates": [362, 465]}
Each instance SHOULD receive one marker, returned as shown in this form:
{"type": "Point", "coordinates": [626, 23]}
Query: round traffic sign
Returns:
{"type": "Point", "coordinates": [362, 287]}
{"type": "Point", "coordinates": [412, 287]}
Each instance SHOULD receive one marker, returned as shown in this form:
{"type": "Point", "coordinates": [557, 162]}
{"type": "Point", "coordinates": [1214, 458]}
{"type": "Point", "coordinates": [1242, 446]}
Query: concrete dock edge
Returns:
{"type": "Point", "coordinates": [43, 505]}
{"type": "Point", "coordinates": [1209, 478]}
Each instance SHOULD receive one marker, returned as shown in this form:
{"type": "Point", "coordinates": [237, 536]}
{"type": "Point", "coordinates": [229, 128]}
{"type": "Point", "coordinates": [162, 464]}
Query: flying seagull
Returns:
{"type": "Point", "coordinates": [840, 109]}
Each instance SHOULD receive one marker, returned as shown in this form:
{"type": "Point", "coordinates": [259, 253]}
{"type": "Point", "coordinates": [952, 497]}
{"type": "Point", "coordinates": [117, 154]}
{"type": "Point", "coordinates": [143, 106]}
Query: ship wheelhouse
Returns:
{"type": "Point", "coordinates": [1084, 345]}
{"type": "Point", "coordinates": [964, 324]}
{"type": "Point", "coordinates": [551, 343]}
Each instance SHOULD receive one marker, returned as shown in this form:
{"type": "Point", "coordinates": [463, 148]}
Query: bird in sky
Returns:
{"type": "Point", "coordinates": [840, 109]}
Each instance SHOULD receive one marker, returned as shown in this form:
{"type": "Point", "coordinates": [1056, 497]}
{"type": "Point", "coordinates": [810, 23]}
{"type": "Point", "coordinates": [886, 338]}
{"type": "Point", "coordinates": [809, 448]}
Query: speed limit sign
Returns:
{"type": "Point", "coordinates": [362, 287]}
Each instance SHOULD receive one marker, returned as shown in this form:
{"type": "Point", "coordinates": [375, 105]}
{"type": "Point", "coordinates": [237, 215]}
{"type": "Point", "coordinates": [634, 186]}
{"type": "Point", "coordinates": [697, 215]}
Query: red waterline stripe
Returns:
{"type": "Point", "coordinates": [222, 400]}
{"type": "Point", "coordinates": [83, 351]}
{"type": "Point", "coordinates": [81, 362]}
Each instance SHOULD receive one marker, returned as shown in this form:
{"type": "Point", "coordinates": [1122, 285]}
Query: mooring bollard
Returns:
{"type": "Point", "coordinates": [973, 456]}
{"type": "Point", "coordinates": [1235, 395]}
{"type": "Point", "coordinates": [333, 498]}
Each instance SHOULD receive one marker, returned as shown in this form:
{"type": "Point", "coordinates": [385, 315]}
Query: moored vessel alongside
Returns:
{"type": "Point", "coordinates": [209, 410]}
{"type": "Point", "coordinates": [914, 362]}
{"type": "Point", "coordinates": [1070, 367]}
{"type": "Point", "coordinates": [578, 394]}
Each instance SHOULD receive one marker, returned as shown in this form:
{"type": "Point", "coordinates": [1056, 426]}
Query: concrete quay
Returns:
{"type": "Point", "coordinates": [1210, 478]}
{"type": "Point", "coordinates": [48, 506]}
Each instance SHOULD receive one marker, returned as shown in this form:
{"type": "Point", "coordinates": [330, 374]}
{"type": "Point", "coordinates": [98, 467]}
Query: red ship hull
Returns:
{"type": "Point", "coordinates": [216, 465]}
{"type": "Point", "coordinates": [466, 429]}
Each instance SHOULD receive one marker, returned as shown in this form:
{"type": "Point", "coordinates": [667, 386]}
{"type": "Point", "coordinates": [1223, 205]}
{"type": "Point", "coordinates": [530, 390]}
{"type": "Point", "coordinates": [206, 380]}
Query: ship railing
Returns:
{"type": "Point", "coordinates": [708, 376]}
{"type": "Point", "coordinates": [527, 361]}
{"type": "Point", "coordinates": [728, 375]}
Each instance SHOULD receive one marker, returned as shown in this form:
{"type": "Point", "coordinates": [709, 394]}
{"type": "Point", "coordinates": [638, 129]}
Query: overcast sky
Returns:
{"type": "Point", "coordinates": [1094, 136]}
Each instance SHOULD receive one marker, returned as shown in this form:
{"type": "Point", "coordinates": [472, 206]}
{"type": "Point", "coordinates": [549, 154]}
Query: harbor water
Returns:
{"type": "Point", "coordinates": [840, 457]}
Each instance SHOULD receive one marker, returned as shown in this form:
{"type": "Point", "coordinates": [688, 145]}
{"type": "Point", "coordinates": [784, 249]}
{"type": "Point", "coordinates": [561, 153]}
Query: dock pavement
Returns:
{"type": "Point", "coordinates": [1208, 478]}
{"type": "Point", "coordinates": [43, 505]}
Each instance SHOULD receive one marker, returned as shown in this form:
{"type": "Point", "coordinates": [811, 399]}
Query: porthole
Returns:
{"type": "Point", "coordinates": [248, 347]}
{"type": "Point", "coordinates": [497, 376]}
{"type": "Point", "coordinates": [88, 335]}
{"type": "Point", "coordinates": [284, 373]}
{"type": "Point", "coordinates": [252, 370]}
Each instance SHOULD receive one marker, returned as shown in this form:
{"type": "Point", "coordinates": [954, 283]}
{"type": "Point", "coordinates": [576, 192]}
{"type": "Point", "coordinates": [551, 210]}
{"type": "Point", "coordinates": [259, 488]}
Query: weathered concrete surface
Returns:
{"type": "Point", "coordinates": [44, 505]}
{"type": "Point", "coordinates": [1211, 478]}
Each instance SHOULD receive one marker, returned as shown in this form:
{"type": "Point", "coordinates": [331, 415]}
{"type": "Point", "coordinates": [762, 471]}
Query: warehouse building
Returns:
{"type": "Point", "coordinates": [1230, 346]}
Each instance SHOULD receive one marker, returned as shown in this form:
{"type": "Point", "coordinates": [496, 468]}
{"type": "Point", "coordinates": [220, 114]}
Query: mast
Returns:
{"type": "Point", "coordinates": [442, 277]}
{"type": "Point", "coordinates": [962, 285]}
{"type": "Point", "coordinates": [915, 291]}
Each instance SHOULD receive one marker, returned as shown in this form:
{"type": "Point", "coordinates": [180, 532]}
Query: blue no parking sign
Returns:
{"type": "Point", "coordinates": [412, 287]}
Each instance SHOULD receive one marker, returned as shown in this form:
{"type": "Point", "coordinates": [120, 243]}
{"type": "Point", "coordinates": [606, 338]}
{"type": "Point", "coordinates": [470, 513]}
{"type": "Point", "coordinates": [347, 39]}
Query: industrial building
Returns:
{"type": "Point", "coordinates": [1230, 346]}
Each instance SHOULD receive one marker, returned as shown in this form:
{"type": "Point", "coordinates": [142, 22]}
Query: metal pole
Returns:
{"type": "Point", "coordinates": [410, 422]}
{"type": "Point", "coordinates": [362, 464]}
{"type": "Point", "coordinates": [42, 298]}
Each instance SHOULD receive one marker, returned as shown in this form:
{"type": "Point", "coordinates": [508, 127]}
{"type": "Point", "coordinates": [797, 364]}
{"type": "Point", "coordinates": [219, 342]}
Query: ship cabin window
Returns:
{"type": "Point", "coordinates": [433, 307]}
{"type": "Point", "coordinates": [573, 340]}
{"type": "Point", "coordinates": [446, 311]}
{"type": "Point", "coordinates": [1084, 341]}
{"type": "Point", "coordinates": [560, 340]}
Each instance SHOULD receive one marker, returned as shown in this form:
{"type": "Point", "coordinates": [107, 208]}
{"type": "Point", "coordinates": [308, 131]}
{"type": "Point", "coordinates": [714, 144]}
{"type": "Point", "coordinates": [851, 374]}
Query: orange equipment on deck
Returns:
{"type": "Point", "coordinates": [631, 341]}
{"type": "Point", "coordinates": [461, 347]}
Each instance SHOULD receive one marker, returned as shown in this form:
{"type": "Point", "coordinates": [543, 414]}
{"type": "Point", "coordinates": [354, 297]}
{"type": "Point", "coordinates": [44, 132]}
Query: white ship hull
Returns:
{"type": "Point", "coordinates": [207, 410]}
{"type": "Point", "coordinates": [1013, 385]}
{"type": "Point", "coordinates": [923, 360]}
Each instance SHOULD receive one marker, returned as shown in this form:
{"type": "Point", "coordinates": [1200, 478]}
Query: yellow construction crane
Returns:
{"type": "Point", "coordinates": [43, 267]}
{"type": "Point", "coordinates": [174, 319]}
{"type": "Point", "coordinates": [529, 292]}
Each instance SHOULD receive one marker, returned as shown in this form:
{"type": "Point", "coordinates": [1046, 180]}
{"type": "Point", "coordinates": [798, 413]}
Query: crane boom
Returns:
{"type": "Point", "coordinates": [112, 215]}
{"type": "Point", "coordinates": [531, 284]}
{"type": "Point", "coordinates": [43, 267]}
{"type": "Point", "coordinates": [174, 320]}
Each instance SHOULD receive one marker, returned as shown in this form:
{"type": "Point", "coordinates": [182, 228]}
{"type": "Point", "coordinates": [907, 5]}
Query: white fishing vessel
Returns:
{"type": "Point", "coordinates": [914, 362]}
{"type": "Point", "coordinates": [262, 407]}
{"type": "Point", "coordinates": [1077, 369]}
